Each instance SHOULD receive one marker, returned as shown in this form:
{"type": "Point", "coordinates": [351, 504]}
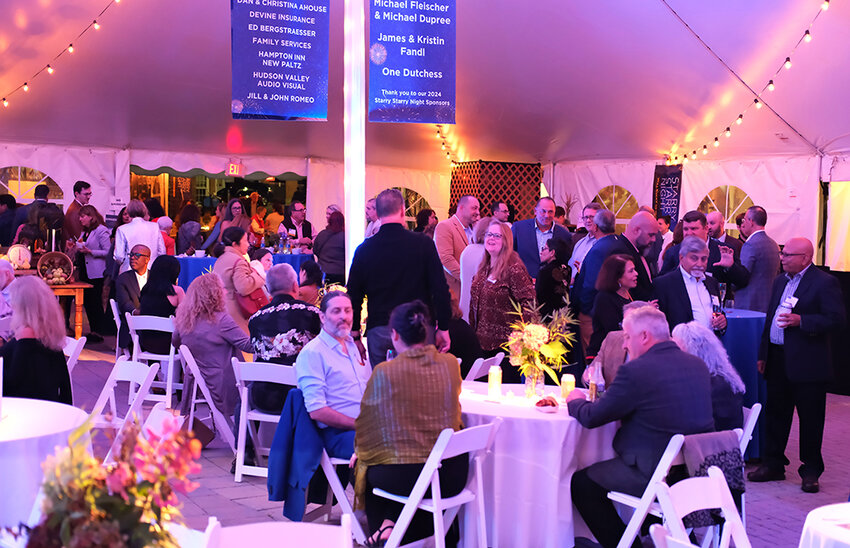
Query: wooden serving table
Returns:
{"type": "Point", "coordinates": [73, 290]}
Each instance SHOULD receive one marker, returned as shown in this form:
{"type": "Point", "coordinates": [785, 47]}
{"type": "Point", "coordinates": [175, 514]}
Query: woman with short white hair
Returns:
{"type": "Point", "coordinates": [33, 363]}
{"type": "Point", "coordinates": [727, 388]}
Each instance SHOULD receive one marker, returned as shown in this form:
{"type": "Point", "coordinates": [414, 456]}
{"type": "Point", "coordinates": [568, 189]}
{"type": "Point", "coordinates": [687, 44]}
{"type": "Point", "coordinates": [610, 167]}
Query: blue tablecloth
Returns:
{"type": "Point", "coordinates": [742, 338]}
{"type": "Point", "coordinates": [192, 267]}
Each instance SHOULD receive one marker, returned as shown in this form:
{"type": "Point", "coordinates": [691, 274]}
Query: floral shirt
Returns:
{"type": "Point", "coordinates": [280, 329]}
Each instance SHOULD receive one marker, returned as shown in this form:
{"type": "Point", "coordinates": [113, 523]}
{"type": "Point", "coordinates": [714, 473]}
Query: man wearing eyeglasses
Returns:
{"type": "Point", "coordinates": [128, 288]}
{"type": "Point", "coordinates": [583, 245]}
{"type": "Point", "coordinates": [806, 309]}
{"type": "Point", "coordinates": [297, 228]}
{"type": "Point", "coordinates": [500, 211]}
{"type": "Point", "coordinates": [760, 256]}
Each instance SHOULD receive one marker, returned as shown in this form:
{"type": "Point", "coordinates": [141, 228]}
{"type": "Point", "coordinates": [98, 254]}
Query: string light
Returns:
{"type": "Point", "coordinates": [770, 86]}
{"type": "Point", "coordinates": [49, 68]}
{"type": "Point", "coordinates": [444, 145]}
{"type": "Point", "coordinates": [694, 155]}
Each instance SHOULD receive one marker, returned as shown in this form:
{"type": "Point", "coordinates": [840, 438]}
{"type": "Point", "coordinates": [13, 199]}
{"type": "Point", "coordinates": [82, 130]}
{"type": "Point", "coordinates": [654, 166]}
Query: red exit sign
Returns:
{"type": "Point", "coordinates": [235, 170]}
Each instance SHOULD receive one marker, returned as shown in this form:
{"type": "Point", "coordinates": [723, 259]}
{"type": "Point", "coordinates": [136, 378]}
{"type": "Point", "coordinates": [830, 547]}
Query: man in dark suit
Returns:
{"type": "Point", "coordinates": [660, 392]}
{"type": "Point", "coordinates": [8, 207]}
{"type": "Point", "coordinates": [687, 294]}
{"type": "Point", "coordinates": [795, 357]}
{"type": "Point", "coordinates": [39, 194]}
{"type": "Point", "coordinates": [297, 227]}
{"type": "Point", "coordinates": [721, 259]}
{"type": "Point", "coordinates": [760, 256]}
{"type": "Point", "coordinates": [128, 287]}
{"type": "Point", "coordinates": [639, 236]}
{"type": "Point", "coordinates": [583, 294]}
{"type": "Point", "coordinates": [531, 234]}
{"type": "Point", "coordinates": [717, 230]}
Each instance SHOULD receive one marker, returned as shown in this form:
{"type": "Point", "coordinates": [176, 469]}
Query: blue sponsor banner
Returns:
{"type": "Point", "coordinates": [412, 61]}
{"type": "Point", "coordinates": [279, 52]}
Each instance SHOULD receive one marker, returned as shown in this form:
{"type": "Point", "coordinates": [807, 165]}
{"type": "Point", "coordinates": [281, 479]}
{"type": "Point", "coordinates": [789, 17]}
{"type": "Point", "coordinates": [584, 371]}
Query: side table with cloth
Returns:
{"type": "Point", "coordinates": [192, 267]}
{"type": "Point", "coordinates": [30, 430]}
{"type": "Point", "coordinates": [827, 527]}
{"type": "Point", "coordinates": [743, 335]}
{"type": "Point", "coordinates": [527, 475]}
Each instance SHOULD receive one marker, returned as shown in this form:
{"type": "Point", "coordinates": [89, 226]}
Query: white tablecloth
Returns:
{"type": "Point", "coordinates": [827, 527]}
{"type": "Point", "coordinates": [30, 430]}
{"type": "Point", "coordinates": [527, 476]}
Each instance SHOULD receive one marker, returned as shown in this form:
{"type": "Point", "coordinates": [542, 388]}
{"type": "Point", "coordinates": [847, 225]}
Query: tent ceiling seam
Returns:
{"type": "Point", "coordinates": [741, 80]}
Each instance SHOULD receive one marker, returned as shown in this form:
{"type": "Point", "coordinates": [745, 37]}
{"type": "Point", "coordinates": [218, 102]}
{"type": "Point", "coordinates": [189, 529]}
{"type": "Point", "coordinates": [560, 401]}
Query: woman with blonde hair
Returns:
{"type": "Point", "coordinates": [33, 363]}
{"type": "Point", "coordinates": [501, 281]}
{"type": "Point", "coordinates": [727, 388]}
{"type": "Point", "coordinates": [205, 327]}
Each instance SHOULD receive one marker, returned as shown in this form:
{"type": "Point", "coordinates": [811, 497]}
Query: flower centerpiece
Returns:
{"type": "Point", "coordinates": [124, 504]}
{"type": "Point", "coordinates": [539, 348]}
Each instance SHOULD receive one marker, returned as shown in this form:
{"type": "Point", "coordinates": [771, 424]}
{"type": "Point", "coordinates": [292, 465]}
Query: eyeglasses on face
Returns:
{"type": "Point", "coordinates": [134, 255]}
{"type": "Point", "coordinates": [493, 235]}
{"type": "Point", "coordinates": [296, 210]}
{"type": "Point", "coordinates": [587, 218]}
{"type": "Point", "coordinates": [785, 255]}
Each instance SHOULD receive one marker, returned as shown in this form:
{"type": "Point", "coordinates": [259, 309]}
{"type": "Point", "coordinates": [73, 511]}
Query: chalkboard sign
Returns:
{"type": "Point", "coordinates": [667, 192]}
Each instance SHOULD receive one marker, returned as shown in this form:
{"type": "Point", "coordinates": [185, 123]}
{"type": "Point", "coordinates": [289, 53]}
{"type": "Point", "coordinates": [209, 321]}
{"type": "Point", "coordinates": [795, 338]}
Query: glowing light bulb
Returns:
{"type": "Point", "coordinates": [684, 159]}
{"type": "Point", "coordinates": [70, 48]}
{"type": "Point", "coordinates": [96, 25]}
{"type": "Point", "coordinates": [740, 119]}
{"type": "Point", "coordinates": [694, 155]}
{"type": "Point", "coordinates": [758, 103]}
{"type": "Point", "coordinates": [444, 145]}
{"type": "Point", "coordinates": [5, 102]}
{"type": "Point", "coordinates": [728, 132]}
{"type": "Point", "coordinates": [705, 149]}
{"type": "Point", "coordinates": [50, 69]}
{"type": "Point", "coordinates": [807, 37]}
{"type": "Point", "coordinates": [825, 5]}
{"type": "Point", "coordinates": [667, 161]}
{"type": "Point", "coordinates": [770, 86]}
{"type": "Point", "coordinates": [716, 142]}
{"type": "Point", "coordinates": [438, 133]}
{"type": "Point", "coordinates": [787, 62]}
{"type": "Point", "coordinates": [26, 87]}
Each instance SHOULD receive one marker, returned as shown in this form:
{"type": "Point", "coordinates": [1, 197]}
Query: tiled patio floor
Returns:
{"type": "Point", "coordinates": [775, 511]}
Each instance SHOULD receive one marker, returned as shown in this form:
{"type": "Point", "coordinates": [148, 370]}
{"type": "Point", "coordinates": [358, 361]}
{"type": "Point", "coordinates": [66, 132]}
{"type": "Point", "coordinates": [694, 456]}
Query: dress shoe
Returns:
{"type": "Point", "coordinates": [810, 485]}
{"type": "Point", "coordinates": [765, 473]}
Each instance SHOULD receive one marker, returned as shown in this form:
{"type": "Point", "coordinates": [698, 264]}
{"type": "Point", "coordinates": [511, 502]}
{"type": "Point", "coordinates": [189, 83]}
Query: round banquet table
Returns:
{"type": "Point", "coordinates": [527, 475]}
{"type": "Point", "coordinates": [742, 339]}
{"type": "Point", "coordinates": [827, 527]}
{"type": "Point", "coordinates": [192, 267]}
{"type": "Point", "coordinates": [30, 430]}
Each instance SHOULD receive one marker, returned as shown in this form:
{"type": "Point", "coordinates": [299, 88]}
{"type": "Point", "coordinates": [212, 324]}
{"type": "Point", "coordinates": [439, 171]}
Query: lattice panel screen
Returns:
{"type": "Point", "coordinates": [516, 184]}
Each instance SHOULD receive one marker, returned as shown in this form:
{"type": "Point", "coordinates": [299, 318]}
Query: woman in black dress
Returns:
{"type": "Point", "coordinates": [553, 280]}
{"type": "Point", "coordinates": [616, 277]}
{"type": "Point", "coordinates": [33, 363]}
{"type": "Point", "coordinates": [160, 297]}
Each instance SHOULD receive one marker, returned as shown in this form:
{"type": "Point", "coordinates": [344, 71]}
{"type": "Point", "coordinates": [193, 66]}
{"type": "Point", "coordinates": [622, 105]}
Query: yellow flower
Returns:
{"type": "Point", "coordinates": [535, 336]}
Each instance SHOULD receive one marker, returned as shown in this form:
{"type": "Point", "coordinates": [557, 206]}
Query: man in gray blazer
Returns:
{"type": "Point", "coordinates": [660, 392]}
{"type": "Point", "coordinates": [760, 255]}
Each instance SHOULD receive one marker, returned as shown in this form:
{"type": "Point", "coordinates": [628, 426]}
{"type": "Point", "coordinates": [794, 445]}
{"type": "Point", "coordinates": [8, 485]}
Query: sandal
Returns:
{"type": "Point", "coordinates": [375, 541]}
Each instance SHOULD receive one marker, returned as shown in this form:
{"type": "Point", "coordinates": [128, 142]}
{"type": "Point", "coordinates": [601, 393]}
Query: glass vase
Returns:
{"type": "Point", "coordinates": [534, 384]}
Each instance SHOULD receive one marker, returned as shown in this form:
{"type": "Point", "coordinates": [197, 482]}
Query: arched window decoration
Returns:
{"type": "Point", "coordinates": [20, 182]}
{"type": "Point", "coordinates": [729, 200]}
{"type": "Point", "coordinates": [413, 204]}
{"type": "Point", "coordinates": [620, 201]}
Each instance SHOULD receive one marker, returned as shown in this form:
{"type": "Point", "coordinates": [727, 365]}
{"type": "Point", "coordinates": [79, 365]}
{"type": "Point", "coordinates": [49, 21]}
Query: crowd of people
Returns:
{"type": "Point", "coordinates": [451, 287]}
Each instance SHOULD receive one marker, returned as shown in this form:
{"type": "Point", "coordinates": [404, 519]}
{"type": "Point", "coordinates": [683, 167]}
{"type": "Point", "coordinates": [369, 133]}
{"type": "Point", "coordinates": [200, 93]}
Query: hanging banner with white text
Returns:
{"type": "Point", "coordinates": [667, 192]}
{"type": "Point", "coordinates": [280, 58]}
{"type": "Point", "coordinates": [412, 61]}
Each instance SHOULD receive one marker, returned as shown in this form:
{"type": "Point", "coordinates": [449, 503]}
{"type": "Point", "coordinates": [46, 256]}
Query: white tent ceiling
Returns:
{"type": "Point", "coordinates": [538, 81]}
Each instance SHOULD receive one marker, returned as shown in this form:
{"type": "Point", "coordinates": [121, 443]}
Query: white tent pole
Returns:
{"type": "Point", "coordinates": [354, 126]}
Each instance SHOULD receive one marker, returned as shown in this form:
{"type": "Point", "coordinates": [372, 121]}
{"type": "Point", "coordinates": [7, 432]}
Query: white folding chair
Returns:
{"type": "Point", "coordinates": [477, 442]}
{"type": "Point", "coordinates": [190, 538]}
{"type": "Point", "coordinates": [307, 534]}
{"type": "Point", "coordinates": [328, 465]}
{"type": "Point", "coordinates": [662, 539]}
{"type": "Point", "coordinates": [481, 366]}
{"type": "Point", "coordinates": [116, 316]}
{"type": "Point", "coordinates": [702, 493]}
{"type": "Point", "coordinates": [156, 419]}
{"type": "Point", "coordinates": [72, 350]}
{"type": "Point", "coordinates": [245, 373]}
{"type": "Point", "coordinates": [222, 425]}
{"type": "Point", "coordinates": [647, 504]}
{"type": "Point", "coordinates": [751, 417]}
{"type": "Point", "coordinates": [126, 371]}
{"type": "Point", "coordinates": [163, 325]}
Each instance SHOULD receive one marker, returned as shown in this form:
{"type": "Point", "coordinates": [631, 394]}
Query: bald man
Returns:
{"type": "Point", "coordinates": [805, 311]}
{"type": "Point", "coordinates": [453, 235]}
{"type": "Point", "coordinates": [717, 230]}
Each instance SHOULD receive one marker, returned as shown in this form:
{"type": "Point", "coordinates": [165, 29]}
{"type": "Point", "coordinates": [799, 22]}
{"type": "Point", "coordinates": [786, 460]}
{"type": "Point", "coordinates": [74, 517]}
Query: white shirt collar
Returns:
{"type": "Point", "coordinates": [688, 276]}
